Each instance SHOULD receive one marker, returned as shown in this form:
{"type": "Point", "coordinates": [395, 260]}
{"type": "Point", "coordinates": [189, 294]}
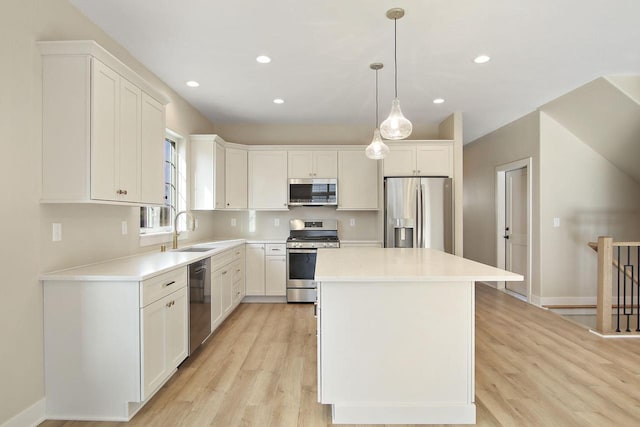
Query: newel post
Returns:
{"type": "Point", "coordinates": [605, 259]}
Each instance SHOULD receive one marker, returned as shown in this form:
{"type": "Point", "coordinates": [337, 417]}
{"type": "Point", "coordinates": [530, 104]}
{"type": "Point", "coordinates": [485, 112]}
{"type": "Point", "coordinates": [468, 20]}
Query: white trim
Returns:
{"type": "Point", "coordinates": [155, 238]}
{"type": "Point", "coordinates": [536, 300]}
{"type": "Point", "coordinates": [32, 416]}
{"type": "Point", "coordinates": [501, 171]}
{"type": "Point", "coordinates": [263, 299]}
{"type": "Point", "coordinates": [91, 48]}
{"type": "Point", "coordinates": [617, 335]}
{"type": "Point", "coordinates": [569, 300]}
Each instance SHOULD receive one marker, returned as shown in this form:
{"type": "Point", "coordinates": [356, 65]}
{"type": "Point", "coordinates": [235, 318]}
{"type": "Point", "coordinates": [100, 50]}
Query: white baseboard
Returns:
{"type": "Point", "coordinates": [264, 299]}
{"type": "Point", "coordinates": [568, 300]}
{"type": "Point", "coordinates": [32, 416]}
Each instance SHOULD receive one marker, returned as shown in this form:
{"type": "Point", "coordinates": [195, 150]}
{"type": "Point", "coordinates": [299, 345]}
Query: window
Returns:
{"type": "Point", "coordinates": [158, 219]}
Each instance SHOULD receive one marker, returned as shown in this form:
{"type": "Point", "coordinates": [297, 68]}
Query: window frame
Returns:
{"type": "Point", "coordinates": [153, 235]}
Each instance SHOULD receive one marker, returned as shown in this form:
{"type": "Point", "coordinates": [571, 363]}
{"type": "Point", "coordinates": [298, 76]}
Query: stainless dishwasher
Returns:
{"type": "Point", "coordinates": [199, 303]}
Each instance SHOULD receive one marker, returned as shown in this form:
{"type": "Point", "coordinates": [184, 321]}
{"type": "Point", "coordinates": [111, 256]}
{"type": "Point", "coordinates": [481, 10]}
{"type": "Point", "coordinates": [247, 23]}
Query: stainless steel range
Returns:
{"type": "Point", "coordinates": [306, 236]}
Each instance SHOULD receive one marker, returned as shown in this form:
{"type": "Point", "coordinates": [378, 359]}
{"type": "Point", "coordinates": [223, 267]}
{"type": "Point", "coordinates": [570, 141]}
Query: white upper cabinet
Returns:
{"type": "Point", "coordinates": [313, 164]}
{"type": "Point", "coordinates": [357, 181]}
{"type": "Point", "coordinates": [96, 128]}
{"type": "Point", "coordinates": [152, 154]}
{"type": "Point", "coordinates": [207, 172]}
{"type": "Point", "coordinates": [115, 136]}
{"type": "Point", "coordinates": [236, 178]}
{"type": "Point", "coordinates": [428, 158]}
{"type": "Point", "coordinates": [268, 180]}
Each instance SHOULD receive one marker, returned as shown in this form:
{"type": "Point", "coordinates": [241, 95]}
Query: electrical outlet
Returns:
{"type": "Point", "coordinates": [556, 222]}
{"type": "Point", "coordinates": [234, 222]}
{"type": "Point", "coordinates": [124, 228]}
{"type": "Point", "coordinates": [352, 222]}
{"type": "Point", "coordinates": [276, 222]}
{"type": "Point", "coordinates": [56, 232]}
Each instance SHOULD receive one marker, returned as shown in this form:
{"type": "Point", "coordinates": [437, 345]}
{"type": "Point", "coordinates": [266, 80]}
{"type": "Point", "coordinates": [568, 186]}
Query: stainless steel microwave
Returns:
{"type": "Point", "coordinates": [313, 192]}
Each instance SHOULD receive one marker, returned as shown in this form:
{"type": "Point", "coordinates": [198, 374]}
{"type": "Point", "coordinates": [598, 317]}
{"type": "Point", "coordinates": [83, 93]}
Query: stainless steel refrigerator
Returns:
{"type": "Point", "coordinates": [418, 213]}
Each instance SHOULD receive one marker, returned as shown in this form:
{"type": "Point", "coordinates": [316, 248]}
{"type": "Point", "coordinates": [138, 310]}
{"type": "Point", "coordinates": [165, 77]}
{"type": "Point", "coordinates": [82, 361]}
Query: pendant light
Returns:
{"type": "Point", "coordinates": [377, 149]}
{"type": "Point", "coordinates": [396, 126]}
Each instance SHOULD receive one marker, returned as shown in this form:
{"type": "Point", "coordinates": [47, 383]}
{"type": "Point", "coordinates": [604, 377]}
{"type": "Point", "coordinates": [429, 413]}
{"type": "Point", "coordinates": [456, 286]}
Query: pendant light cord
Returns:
{"type": "Point", "coordinates": [395, 53]}
{"type": "Point", "coordinates": [376, 99]}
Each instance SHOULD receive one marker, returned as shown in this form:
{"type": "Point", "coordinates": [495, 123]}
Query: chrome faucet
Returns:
{"type": "Point", "coordinates": [176, 233]}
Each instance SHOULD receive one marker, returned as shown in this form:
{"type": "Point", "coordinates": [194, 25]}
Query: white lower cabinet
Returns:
{"type": "Point", "coordinates": [266, 268]}
{"type": "Point", "coordinates": [255, 269]}
{"type": "Point", "coordinates": [227, 283]}
{"type": "Point", "coordinates": [109, 345]}
{"type": "Point", "coordinates": [275, 274]}
{"type": "Point", "coordinates": [164, 332]}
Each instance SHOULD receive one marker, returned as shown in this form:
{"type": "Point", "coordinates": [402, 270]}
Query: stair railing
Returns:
{"type": "Point", "coordinates": [625, 258]}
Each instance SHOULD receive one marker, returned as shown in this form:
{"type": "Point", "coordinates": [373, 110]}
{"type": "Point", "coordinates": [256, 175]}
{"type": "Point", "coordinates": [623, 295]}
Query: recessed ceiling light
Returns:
{"type": "Point", "coordinates": [263, 59]}
{"type": "Point", "coordinates": [438, 101]}
{"type": "Point", "coordinates": [193, 83]}
{"type": "Point", "coordinates": [278, 101]}
{"type": "Point", "coordinates": [481, 59]}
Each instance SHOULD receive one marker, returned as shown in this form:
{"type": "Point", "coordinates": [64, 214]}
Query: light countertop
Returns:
{"type": "Point", "coordinates": [138, 267]}
{"type": "Point", "coordinates": [364, 264]}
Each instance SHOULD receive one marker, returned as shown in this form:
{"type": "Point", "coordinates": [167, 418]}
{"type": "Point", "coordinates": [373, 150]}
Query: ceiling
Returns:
{"type": "Point", "coordinates": [321, 51]}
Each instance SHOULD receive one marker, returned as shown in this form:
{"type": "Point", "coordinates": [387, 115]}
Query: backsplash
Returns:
{"type": "Point", "coordinates": [262, 224]}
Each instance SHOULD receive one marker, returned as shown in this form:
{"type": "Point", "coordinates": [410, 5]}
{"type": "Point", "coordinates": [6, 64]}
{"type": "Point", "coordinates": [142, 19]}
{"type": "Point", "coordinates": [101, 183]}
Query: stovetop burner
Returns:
{"type": "Point", "coordinates": [313, 234]}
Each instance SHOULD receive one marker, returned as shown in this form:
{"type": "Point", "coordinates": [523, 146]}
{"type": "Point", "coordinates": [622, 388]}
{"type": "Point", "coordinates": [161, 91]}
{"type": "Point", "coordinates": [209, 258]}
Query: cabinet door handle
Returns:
{"type": "Point", "coordinates": [125, 192]}
{"type": "Point", "coordinates": [224, 272]}
{"type": "Point", "coordinates": [238, 271]}
{"type": "Point", "coordinates": [168, 284]}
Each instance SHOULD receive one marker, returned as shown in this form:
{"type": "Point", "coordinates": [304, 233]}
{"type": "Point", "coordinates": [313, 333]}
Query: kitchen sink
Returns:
{"type": "Point", "coordinates": [193, 249]}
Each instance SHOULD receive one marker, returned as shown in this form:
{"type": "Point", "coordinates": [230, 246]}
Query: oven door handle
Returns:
{"type": "Point", "coordinates": [302, 251]}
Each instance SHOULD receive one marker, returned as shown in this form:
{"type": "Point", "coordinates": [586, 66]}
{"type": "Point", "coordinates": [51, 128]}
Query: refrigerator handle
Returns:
{"type": "Point", "coordinates": [421, 218]}
{"type": "Point", "coordinates": [416, 243]}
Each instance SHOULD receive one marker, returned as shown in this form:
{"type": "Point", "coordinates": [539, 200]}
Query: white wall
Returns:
{"type": "Point", "coordinates": [515, 141]}
{"type": "Point", "coordinates": [90, 233]}
{"type": "Point", "coordinates": [592, 198]}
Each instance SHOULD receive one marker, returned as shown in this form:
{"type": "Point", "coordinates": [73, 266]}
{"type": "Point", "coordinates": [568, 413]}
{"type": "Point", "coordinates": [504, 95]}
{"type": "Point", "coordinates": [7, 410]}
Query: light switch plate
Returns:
{"type": "Point", "coordinates": [556, 222]}
{"type": "Point", "coordinates": [123, 225]}
{"type": "Point", "coordinates": [234, 222]}
{"type": "Point", "coordinates": [352, 222]}
{"type": "Point", "coordinates": [276, 222]}
{"type": "Point", "coordinates": [56, 232]}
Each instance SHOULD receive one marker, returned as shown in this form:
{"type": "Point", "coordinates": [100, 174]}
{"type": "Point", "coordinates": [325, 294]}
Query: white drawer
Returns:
{"type": "Point", "coordinates": [275, 249]}
{"type": "Point", "coordinates": [238, 252]}
{"type": "Point", "coordinates": [157, 287]}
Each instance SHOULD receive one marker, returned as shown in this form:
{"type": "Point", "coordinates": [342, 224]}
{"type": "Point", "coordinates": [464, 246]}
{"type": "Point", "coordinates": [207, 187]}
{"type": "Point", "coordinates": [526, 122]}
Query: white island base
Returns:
{"type": "Point", "coordinates": [396, 335]}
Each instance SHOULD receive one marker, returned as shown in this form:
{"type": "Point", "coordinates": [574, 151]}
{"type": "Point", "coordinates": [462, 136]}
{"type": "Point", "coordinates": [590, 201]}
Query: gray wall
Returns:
{"type": "Point", "coordinates": [592, 198]}
{"type": "Point", "coordinates": [572, 182]}
{"type": "Point", "coordinates": [515, 141]}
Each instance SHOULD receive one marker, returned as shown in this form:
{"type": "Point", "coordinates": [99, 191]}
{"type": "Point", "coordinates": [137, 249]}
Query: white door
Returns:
{"type": "Point", "coordinates": [515, 236]}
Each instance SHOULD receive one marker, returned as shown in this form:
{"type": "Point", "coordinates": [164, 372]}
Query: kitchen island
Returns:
{"type": "Point", "coordinates": [396, 335]}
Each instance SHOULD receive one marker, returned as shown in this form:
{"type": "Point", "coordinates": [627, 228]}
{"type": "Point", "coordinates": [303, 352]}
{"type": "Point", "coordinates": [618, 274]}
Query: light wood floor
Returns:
{"type": "Point", "coordinates": [533, 368]}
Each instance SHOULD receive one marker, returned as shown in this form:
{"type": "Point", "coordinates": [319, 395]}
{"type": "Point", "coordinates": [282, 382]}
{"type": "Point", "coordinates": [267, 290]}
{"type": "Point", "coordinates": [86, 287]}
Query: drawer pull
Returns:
{"type": "Point", "coordinates": [224, 272]}
{"type": "Point", "coordinates": [168, 284]}
{"type": "Point", "coordinates": [238, 271]}
{"type": "Point", "coordinates": [170, 303]}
